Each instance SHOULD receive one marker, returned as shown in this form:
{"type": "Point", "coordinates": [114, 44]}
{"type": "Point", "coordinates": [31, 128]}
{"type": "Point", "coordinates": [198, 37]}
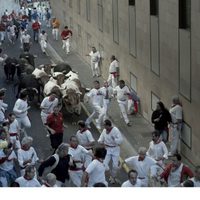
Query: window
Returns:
{"type": "Point", "coordinates": [70, 3]}
{"type": "Point", "coordinates": [88, 10]}
{"type": "Point", "coordinates": [79, 6]}
{"type": "Point", "coordinates": [115, 21]}
{"type": "Point", "coordinates": [71, 22]}
{"type": "Point", "coordinates": [185, 14]}
{"type": "Point", "coordinates": [100, 15]}
{"type": "Point", "coordinates": [131, 2]}
{"type": "Point", "coordinates": [79, 30]}
{"type": "Point", "coordinates": [186, 135]}
{"type": "Point", "coordinates": [154, 7]}
{"type": "Point", "coordinates": [154, 100]}
{"type": "Point", "coordinates": [133, 82]}
{"type": "Point", "coordinates": [89, 46]}
{"type": "Point", "coordinates": [132, 29]}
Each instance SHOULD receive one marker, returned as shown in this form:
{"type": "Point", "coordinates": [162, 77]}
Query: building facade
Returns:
{"type": "Point", "coordinates": [157, 45]}
{"type": "Point", "coordinates": [9, 5]}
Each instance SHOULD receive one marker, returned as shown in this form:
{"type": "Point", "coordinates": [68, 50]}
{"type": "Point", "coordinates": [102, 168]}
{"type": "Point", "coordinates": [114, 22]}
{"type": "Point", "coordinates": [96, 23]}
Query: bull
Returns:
{"type": "Point", "coordinates": [10, 68]}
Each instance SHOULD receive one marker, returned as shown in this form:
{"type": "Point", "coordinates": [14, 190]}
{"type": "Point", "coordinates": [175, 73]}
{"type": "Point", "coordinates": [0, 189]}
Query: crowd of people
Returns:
{"type": "Point", "coordinates": [82, 161]}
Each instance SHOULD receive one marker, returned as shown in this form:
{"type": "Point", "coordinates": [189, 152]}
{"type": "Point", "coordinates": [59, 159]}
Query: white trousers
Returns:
{"type": "Point", "coordinates": [24, 123]}
{"type": "Point", "coordinates": [76, 177]}
{"type": "Point", "coordinates": [95, 68]}
{"type": "Point", "coordinates": [55, 33]}
{"type": "Point", "coordinates": [2, 35]}
{"type": "Point", "coordinates": [112, 154]}
{"type": "Point", "coordinates": [123, 108]}
{"type": "Point", "coordinates": [175, 133]}
{"type": "Point", "coordinates": [106, 104]}
{"type": "Point", "coordinates": [66, 45]}
{"type": "Point", "coordinates": [112, 81]}
{"type": "Point", "coordinates": [43, 45]}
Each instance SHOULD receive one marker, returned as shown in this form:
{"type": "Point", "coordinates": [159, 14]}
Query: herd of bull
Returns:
{"type": "Point", "coordinates": [46, 79]}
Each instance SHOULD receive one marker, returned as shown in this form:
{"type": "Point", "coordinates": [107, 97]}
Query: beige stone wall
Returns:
{"type": "Point", "coordinates": [165, 85]}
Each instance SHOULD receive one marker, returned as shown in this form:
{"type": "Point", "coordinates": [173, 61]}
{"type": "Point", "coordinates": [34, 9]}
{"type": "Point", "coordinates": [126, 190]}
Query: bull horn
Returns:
{"type": "Point", "coordinates": [35, 90]}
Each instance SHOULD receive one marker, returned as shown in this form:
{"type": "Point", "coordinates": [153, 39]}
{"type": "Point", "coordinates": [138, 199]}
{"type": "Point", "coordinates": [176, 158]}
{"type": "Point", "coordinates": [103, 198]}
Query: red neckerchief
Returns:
{"type": "Point", "coordinates": [140, 159]}
{"type": "Point", "coordinates": [83, 130]}
{"type": "Point", "coordinates": [109, 130]}
{"type": "Point", "coordinates": [73, 147]}
{"type": "Point", "coordinates": [158, 141]}
{"type": "Point", "coordinates": [24, 148]}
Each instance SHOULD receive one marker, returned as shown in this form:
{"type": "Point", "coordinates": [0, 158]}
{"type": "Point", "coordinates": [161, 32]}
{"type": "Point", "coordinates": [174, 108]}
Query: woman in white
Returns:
{"type": "Point", "coordinates": [27, 154]}
{"type": "Point", "coordinates": [95, 172]}
{"type": "Point", "coordinates": [43, 41]}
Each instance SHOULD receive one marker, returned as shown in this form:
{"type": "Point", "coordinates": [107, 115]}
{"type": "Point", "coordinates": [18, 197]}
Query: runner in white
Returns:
{"type": "Point", "coordinates": [111, 138]}
{"type": "Point", "coordinates": [133, 180]}
{"type": "Point", "coordinates": [86, 140]}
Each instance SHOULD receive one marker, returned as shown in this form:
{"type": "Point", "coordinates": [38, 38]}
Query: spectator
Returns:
{"type": "Point", "coordinates": [55, 25]}
{"type": "Point", "coordinates": [36, 29]}
{"type": "Point", "coordinates": [26, 41]}
{"type": "Point", "coordinates": [43, 41]}
{"type": "Point", "coordinates": [161, 118]}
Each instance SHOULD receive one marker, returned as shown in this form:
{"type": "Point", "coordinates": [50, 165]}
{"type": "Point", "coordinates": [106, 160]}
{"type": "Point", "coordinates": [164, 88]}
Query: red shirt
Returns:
{"type": "Point", "coordinates": [55, 122]}
{"type": "Point", "coordinates": [36, 26]}
{"type": "Point", "coordinates": [65, 34]}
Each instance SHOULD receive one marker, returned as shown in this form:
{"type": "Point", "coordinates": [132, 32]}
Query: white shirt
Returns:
{"type": "Point", "coordinates": [43, 36]}
{"type": "Point", "coordinates": [96, 97]}
{"type": "Point", "coordinates": [48, 106]}
{"type": "Point", "coordinates": [104, 90]}
{"type": "Point", "coordinates": [157, 151]}
{"type": "Point", "coordinates": [128, 184]}
{"type": "Point", "coordinates": [85, 138]}
{"type": "Point", "coordinates": [96, 172]}
{"type": "Point", "coordinates": [196, 182]}
{"type": "Point", "coordinates": [20, 108]}
{"type": "Point", "coordinates": [26, 38]}
{"type": "Point", "coordinates": [27, 183]}
{"type": "Point", "coordinates": [122, 93]}
{"type": "Point", "coordinates": [142, 167]}
{"type": "Point", "coordinates": [95, 57]}
{"type": "Point", "coordinates": [3, 105]}
{"type": "Point", "coordinates": [176, 113]}
{"type": "Point", "coordinates": [113, 66]}
{"type": "Point", "coordinates": [26, 155]}
{"type": "Point", "coordinates": [14, 127]}
{"type": "Point", "coordinates": [78, 155]}
{"type": "Point", "coordinates": [9, 163]}
{"type": "Point", "coordinates": [12, 29]}
{"type": "Point", "coordinates": [113, 138]}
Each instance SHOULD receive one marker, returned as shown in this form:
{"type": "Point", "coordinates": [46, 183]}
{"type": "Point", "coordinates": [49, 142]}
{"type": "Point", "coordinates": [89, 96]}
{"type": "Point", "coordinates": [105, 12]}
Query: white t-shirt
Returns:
{"type": "Point", "coordinates": [157, 151]}
{"type": "Point", "coordinates": [43, 36]}
{"type": "Point", "coordinates": [27, 183]}
{"type": "Point", "coordinates": [20, 108]}
{"type": "Point", "coordinates": [48, 106]}
{"type": "Point", "coordinates": [142, 167]}
{"type": "Point", "coordinates": [175, 177]}
{"type": "Point", "coordinates": [9, 163]}
{"type": "Point", "coordinates": [26, 155]}
{"type": "Point", "coordinates": [113, 66]}
{"type": "Point", "coordinates": [95, 57]}
{"type": "Point", "coordinates": [96, 172]}
{"type": "Point", "coordinates": [104, 91]}
{"type": "Point", "coordinates": [176, 113]}
{"type": "Point", "coordinates": [128, 184]}
{"type": "Point", "coordinates": [122, 93]}
{"type": "Point", "coordinates": [78, 155]}
{"type": "Point", "coordinates": [14, 127]}
{"type": "Point", "coordinates": [26, 38]}
{"type": "Point", "coordinates": [85, 138]}
{"type": "Point", "coordinates": [96, 97]}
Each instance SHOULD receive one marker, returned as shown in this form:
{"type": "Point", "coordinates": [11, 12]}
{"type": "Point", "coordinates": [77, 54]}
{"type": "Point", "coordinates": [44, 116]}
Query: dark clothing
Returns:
{"type": "Point", "coordinates": [60, 171]}
{"type": "Point", "coordinates": [29, 57]}
{"type": "Point", "coordinates": [56, 140]}
{"type": "Point", "coordinates": [164, 118]}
